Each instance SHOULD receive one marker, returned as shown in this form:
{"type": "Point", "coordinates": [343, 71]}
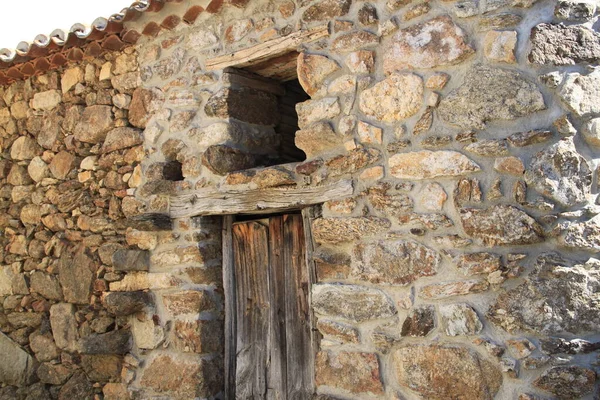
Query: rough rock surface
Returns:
{"type": "Point", "coordinates": [396, 263]}
{"type": "Point", "coordinates": [581, 235]}
{"type": "Point", "coordinates": [393, 99]}
{"type": "Point", "coordinates": [335, 230]}
{"type": "Point", "coordinates": [560, 173]}
{"type": "Point", "coordinates": [17, 367]}
{"type": "Point", "coordinates": [482, 98]}
{"type": "Point", "coordinates": [567, 382]}
{"type": "Point", "coordinates": [419, 322]}
{"type": "Point", "coordinates": [352, 302]}
{"type": "Point", "coordinates": [95, 123]}
{"type": "Point", "coordinates": [427, 164]}
{"type": "Point", "coordinates": [442, 372]}
{"type": "Point", "coordinates": [317, 139]}
{"type": "Point", "coordinates": [433, 43]}
{"type": "Point", "coordinates": [567, 292]}
{"type": "Point", "coordinates": [460, 319]}
{"type": "Point", "coordinates": [500, 225]}
{"type": "Point", "coordinates": [355, 372]}
{"type": "Point", "coordinates": [581, 93]}
{"type": "Point", "coordinates": [564, 45]}
{"type": "Point", "coordinates": [312, 71]}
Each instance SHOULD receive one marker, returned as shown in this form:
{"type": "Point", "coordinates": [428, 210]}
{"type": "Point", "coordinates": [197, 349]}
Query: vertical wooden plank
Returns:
{"type": "Point", "coordinates": [277, 346]}
{"type": "Point", "coordinates": [308, 214]}
{"type": "Point", "coordinates": [251, 260]}
{"type": "Point", "coordinates": [297, 311]}
{"type": "Point", "coordinates": [230, 307]}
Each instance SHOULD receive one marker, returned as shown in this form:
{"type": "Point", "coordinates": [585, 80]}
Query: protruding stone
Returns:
{"type": "Point", "coordinates": [560, 173]}
{"type": "Point", "coordinates": [352, 302]}
{"type": "Point", "coordinates": [222, 159]}
{"type": "Point", "coordinates": [244, 104]}
{"type": "Point", "coordinates": [24, 148]}
{"type": "Point", "coordinates": [500, 225]}
{"type": "Point", "coordinates": [567, 382]}
{"type": "Point", "coordinates": [432, 197]}
{"type": "Point", "coordinates": [131, 260]}
{"type": "Point", "coordinates": [581, 235]}
{"type": "Point", "coordinates": [427, 164]}
{"type": "Point", "coordinates": [580, 92]}
{"type": "Point", "coordinates": [317, 139]}
{"type": "Point", "coordinates": [94, 124]}
{"type": "Point", "coordinates": [312, 71]}
{"type": "Point", "coordinates": [17, 367]}
{"type": "Point", "coordinates": [114, 342]}
{"type": "Point", "coordinates": [312, 111]}
{"type": "Point", "coordinates": [574, 10]}
{"type": "Point", "coordinates": [522, 139]}
{"type": "Point", "coordinates": [433, 43]}
{"type": "Point", "coordinates": [122, 138]}
{"type": "Point", "coordinates": [64, 326]}
{"type": "Point", "coordinates": [485, 94]}
{"type": "Point", "coordinates": [75, 272]}
{"type": "Point", "coordinates": [144, 103]}
{"type": "Point", "coordinates": [567, 292]}
{"type": "Point", "coordinates": [444, 290]}
{"type": "Point", "coordinates": [46, 100]}
{"type": "Point", "coordinates": [355, 40]}
{"type": "Point", "coordinates": [354, 372]}
{"type": "Point", "coordinates": [127, 303]}
{"type": "Point", "coordinates": [591, 132]}
{"type": "Point", "coordinates": [564, 45]}
{"type": "Point", "coordinates": [397, 263]}
{"type": "Point", "coordinates": [419, 322]}
{"type": "Point", "coordinates": [460, 319]}
{"type": "Point", "coordinates": [509, 165]}
{"type": "Point", "coordinates": [62, 164]}
{"type": "Point", "coordinates": [393, 99]}
{"type": "Point", "coordinates": [477, 263]}
{"type": "Point", "coordinates": [338, 331]}
{"type": "Point", "coordinates": [336, 230]}
{"type": "Point", "coordinates": [438, 372]}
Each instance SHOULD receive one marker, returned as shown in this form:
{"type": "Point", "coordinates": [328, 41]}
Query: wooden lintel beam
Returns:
{"type": "Point", "coordinates": [265, 50]}
{"type": "Point", "coordinates": [211, 201]}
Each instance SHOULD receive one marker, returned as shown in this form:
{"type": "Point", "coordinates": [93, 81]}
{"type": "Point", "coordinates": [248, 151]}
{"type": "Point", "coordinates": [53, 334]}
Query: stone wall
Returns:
{"type": "Point", "coordinates": [462, 266]}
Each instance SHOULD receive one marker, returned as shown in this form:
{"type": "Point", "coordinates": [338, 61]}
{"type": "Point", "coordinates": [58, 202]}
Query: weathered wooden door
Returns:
{"type": "Point", "coordinates": [273, 351]}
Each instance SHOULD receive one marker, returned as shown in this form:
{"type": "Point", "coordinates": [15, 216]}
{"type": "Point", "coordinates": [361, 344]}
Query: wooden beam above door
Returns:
{"type": "Point", "coordinates": [214, 201]}
{"type": "Point", "coordinates": [267, 50]}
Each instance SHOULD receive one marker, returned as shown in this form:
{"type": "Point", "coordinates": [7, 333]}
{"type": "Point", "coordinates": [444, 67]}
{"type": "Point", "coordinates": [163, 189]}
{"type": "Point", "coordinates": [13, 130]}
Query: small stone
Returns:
{"type": "Point", "coordinates": [78, 387]}
{"type": "Point", "coordinates": [574, 10]}
{"type": "Point", "coordinates": [317, 139]}
{"type": "Point", "coordinates": [43, 346]}
{"type": "Point", "coordinates": [466, 9]}
{"type": "Point", "coordinates": [70, 78]}
{"type": "Point", "coordinates": [436, 371]}
{"type": "Point", "coordinates": [354, 372]}
{"type": "Point", "coordinates": [563, 45]}
{"type": "Point", "coordinates": [102, 367]}
{"type": "Point", "coordinates": [373, 173]}
{"type": "Point", "coordinates": [76, 276]}
{"type": "Point", "coordinates": [500, 46]}
{"type": "Point", "coordinates": [113, 342]}
{"type": "Point", "coordinates": [24, 148]}
{"type": "Point", "coordinates": [336, 230]}
{"type": "Point", "coordinates": [312, 71]}
{"type": "Point", "coordinates": [369, 134]}
{"type": "Point", "coordinates": [581, 235]}
{"type": "Point", "coordinates": [427, 164]}
{"type": "Point", "coordinates": [53, 374]}
{"type": "Point", "coordinates": [244, 104]}
{"type": "Point", "coordinates": [488, 148]}
{"type": "Point", "coordinates": [437, 81]}
{"type": "Point", "coordinates": [46, 100]}
{"type": "Point", "coordinates": [433, 43]}
{"type": "Point", "coordinates": [188, 302]}
{"type": "Point", "coordinates": [460, 319]}
{"type": "Point", "coordinates": [121, 138]}
{"type": "Point", "coordinates": [416, 11]}
{"type": "Point", "coordinates": [238, 30]}
{"type": "Point", "coordinates": [38, 169]}
{"type": "Point", "coordinates": [312, 111]}
{"type": "Point", "coordinates": [326, 10]}
{"type": "Point", "coordinates": [477, 263]}
{"type": "Point", "coordinates": [499, 21]}
{"type": "Point", "coordinates": [127, 303]}
{"type": "Point", "coordinates": [338, 331]}
{"type": "Point", "coordinates": [353, 41]}
{"type": "Point", "coordinates": [45, 285]}
{"type": "Point", "coordinates": [18, 366]}
{"type": "Point", "coordinates": [351, 302]}
{"type": "Point", "coordinates": [64, 326]}
{"type": "Point", "coordinates": [222, 159]}
{"type": "Point", "coordinates": [395, 98]}
{"type": "Point", "coordinates": [400, 262]}
{"type": "Point", "coordinates": [198, 336]}
{"type": "Point", "coordinates": [94, 124]}
{"type": "Point", "coordinates": [567, 382]}
{"type": "Point", "coordinates": [509, 165]}
{"type": "Point", "coordinates": [62, 164]}
{"type": "Point", "coordinates": [367, 15]}
{"type": "Point", "coordinates": [591, 132]}
{"type": "Point", "coordinates": [560, 173]}
{"type": "Point", "coordinates": [273, 177]}
{"type": "Point", "coordinates": [483, 98]}
{"type": "Point", "coordinates": [144, 103]}
{"type": "Point", "coordinates": [419, 322]}
{"type": "Point", "coordinates": [520, 348]}
{"type": "Point", "coordinates": [580, 93]}
{"type": "Point", "coordinates": [361, 62]}
{"type": "Point", "coordinates": [522, 139]}
{"type": "Point", "coordinates": [355, 159]}
{"type": "Point", "coordinates": [450, 289]}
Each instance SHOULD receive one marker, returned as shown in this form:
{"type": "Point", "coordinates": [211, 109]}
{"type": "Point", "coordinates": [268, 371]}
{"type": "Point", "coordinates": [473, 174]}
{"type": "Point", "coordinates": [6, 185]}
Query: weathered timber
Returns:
{"type": "Point", "coordinates": [230, 307]}
{"type": "Point", "coordinates": [210, 201]}
{"type": "Point", "coordinates": [269, 49]}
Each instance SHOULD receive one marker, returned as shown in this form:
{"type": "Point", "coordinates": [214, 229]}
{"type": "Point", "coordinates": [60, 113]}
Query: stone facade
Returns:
{"type": "Point", "coordinates": [461, 267]}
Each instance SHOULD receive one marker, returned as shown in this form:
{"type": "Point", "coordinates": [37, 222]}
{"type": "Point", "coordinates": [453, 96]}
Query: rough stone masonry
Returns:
{"type": "Point", "coordinates": [462, 267]}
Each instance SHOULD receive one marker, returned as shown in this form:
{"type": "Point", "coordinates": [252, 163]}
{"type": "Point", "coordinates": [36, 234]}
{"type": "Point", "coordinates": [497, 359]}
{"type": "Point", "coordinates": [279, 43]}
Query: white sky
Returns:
{"type": "Point", "coordinates": [22, 20]}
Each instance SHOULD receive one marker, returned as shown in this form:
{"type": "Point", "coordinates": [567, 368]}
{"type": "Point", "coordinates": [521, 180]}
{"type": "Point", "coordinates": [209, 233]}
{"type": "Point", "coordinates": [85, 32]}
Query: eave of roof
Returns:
{"type": "Point", "coordinates": [105, 34]}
